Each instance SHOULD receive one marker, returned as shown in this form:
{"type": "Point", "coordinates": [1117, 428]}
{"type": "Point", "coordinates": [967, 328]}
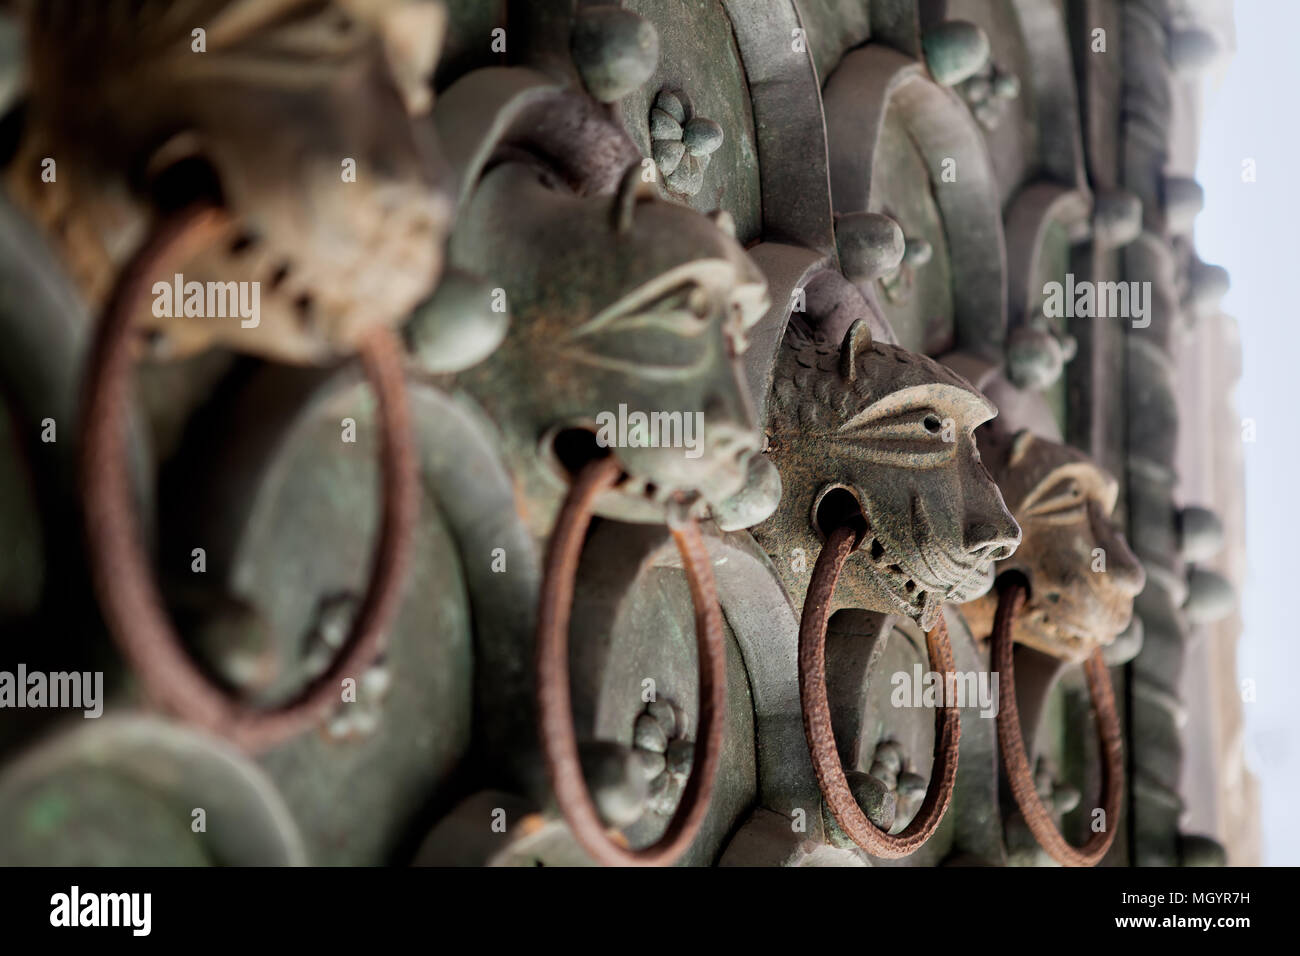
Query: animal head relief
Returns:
{"type": "Point", "coordinates": [292, 117]}
{"type": "Point", "coordinates": [871, 433]}
{"type": "Point", "coordinates": [1081, 574]}
{"type": "Point", "coordinates": [641, 357]}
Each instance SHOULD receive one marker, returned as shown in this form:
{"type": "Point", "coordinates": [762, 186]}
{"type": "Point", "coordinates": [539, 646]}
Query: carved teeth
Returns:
{"type": "Point", "coordinates": [906, 590]}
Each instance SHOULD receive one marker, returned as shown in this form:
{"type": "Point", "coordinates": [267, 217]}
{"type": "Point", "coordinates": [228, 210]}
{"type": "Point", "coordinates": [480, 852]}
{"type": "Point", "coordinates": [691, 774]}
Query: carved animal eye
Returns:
{"type": "Point", "coordinates": [736, 331]}
{"type": "Point", "coordinates": [1064, 502]}
{"type": "Point", "coordinates": [685, 299]}
{"type": "Point", "coordinates": [911, 438]}
{"type": "Point", "coordinates": [657, 337]}
{"type": "Point", "coordinates": [697, 301]}
{"type": "Point", "coordinates": [682, 311]}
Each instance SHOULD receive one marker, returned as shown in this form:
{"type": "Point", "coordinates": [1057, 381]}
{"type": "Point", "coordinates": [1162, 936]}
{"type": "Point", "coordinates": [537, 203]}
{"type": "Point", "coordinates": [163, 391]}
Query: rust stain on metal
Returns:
{"type": "Point", "coordinates": [555, 716]}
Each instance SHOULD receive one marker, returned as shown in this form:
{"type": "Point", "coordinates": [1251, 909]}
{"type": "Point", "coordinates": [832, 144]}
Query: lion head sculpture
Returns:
{"type": "Point", "coordinates": [869, 432]}
{"type": "Point", "coordinates": [295, 117]}
{"type": "Point", "coordinates": [629, 315]}
{"type": "Point", "coordinates": [1082, 575]}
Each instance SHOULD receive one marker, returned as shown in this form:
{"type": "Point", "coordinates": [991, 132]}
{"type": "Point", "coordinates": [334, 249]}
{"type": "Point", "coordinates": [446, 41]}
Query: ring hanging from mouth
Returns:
{"type": "Point", "coordinates": [821, 735]}
{"type": "Point", "coordinates": [128, 591]}
{"type": "Point", "coordinates": [555, 715]}
{"type": "Point", "coordinates": [1015, 760]}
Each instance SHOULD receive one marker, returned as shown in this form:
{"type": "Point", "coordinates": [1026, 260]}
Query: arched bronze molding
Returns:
{"type": "Point", "coordinates": [1036, 208]}
{"type": "Point", "coordinates": [151, 765]}
{"type": "Point", "coordinates": [785, 94]}
{"type": "Point", "coordinates": [1038, 345]}
{"type": "Point", "coordinates": [622, 567]}
{"type": "Point", "coordinates": [284, 522]}
{"type": "Point", "coordinates": [857, 96]}
{"type": "Point", "coordinates": [807, 285]}
{"type": "Point", "coordinates": [759, 615]}
{"type": "Point", "coordinates": [500, 108]}
{"type": "Point", "coordinates": [1051, 89]}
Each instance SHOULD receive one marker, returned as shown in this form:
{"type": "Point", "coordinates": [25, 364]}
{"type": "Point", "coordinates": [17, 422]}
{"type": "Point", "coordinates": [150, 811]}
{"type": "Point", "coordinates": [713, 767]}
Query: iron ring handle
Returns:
{"type": "Point", "coordinates": [128, 591]}
{"type": "Point", "coordinates": [1015, 760]}
{"type": "Point", "coordinates": [821, 735]}
{"type": "Point", "coordinates": [555, 715]}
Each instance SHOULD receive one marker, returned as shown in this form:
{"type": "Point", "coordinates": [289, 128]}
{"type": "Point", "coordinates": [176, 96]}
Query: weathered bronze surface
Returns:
{"type": "Point", "coordinates": [659, 330]}
{"type": "Point", "coordinates": [687, 267]}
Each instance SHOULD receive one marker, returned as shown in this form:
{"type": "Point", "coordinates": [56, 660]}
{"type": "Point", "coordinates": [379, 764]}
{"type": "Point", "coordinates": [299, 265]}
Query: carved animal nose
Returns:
{"type": "Point", "coordinates": [992, 533]}
{"type": "Point", "coordinates": [996, 543]}
{"type": "Point", "coordinates": [1123, 566]}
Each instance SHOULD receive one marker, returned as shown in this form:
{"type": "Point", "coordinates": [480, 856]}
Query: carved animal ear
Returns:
{"type": "Point", "coordinates": [724, 221]}
{"type": "Point", "coordinates": [1020, 445]}
{"type": "Point", "coordinates": [632, 189]}
{"type": "Point", "coordinates": [412, 32]}
{"type": "Point", "coordinates": [856, 341]}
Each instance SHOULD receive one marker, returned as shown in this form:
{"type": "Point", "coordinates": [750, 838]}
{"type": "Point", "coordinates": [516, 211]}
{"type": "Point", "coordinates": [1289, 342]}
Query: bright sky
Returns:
{"type": "Point", "coordinates": [1250, 228]}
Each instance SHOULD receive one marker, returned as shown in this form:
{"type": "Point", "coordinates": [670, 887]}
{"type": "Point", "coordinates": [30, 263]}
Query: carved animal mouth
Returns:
{"type": "Point", "coordinates": [723, 473]}
{"type": "Point", "coordinates": [911, 594]}
{"type": "Point", "coordinates": [1059, 632]}
{"type": "Point", "coordinates": [959, 576]}
{"type": "Point", "coordinates": [941, 576]}
{"type": "Point", "coordinates": [1078, 629]}
{"type": "Point", "coordinates": [643, 488]}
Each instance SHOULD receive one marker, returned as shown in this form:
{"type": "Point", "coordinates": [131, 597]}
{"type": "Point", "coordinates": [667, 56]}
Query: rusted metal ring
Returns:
{"type": "Point", "coordinates": [555, 714]}
{"type": "Point", "coordinates": [1015, 760]}
{"type": "Point", "coordinates": [821, 735]}
{"type": "Point", "coordinates": [128, 592]}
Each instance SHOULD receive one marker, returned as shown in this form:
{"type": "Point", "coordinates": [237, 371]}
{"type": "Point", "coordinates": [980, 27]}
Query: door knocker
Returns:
{"type": "Point", "coordinates": [1067, 592]}
{"type": "Point", "coordinates": [1015, 759]}
{"type": "Point", "coordinates": [661, 326]}
{"type": "Point", "coordinates": [132, 602]}
{"type": "Point", "coordinates": [821, 735]}
{"type": "Point", "coordinates": [555, 716]}
{"type": "Point", "coordinates": [879, 441]}
{"type": "Point", "coordinates": [259, 214]}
